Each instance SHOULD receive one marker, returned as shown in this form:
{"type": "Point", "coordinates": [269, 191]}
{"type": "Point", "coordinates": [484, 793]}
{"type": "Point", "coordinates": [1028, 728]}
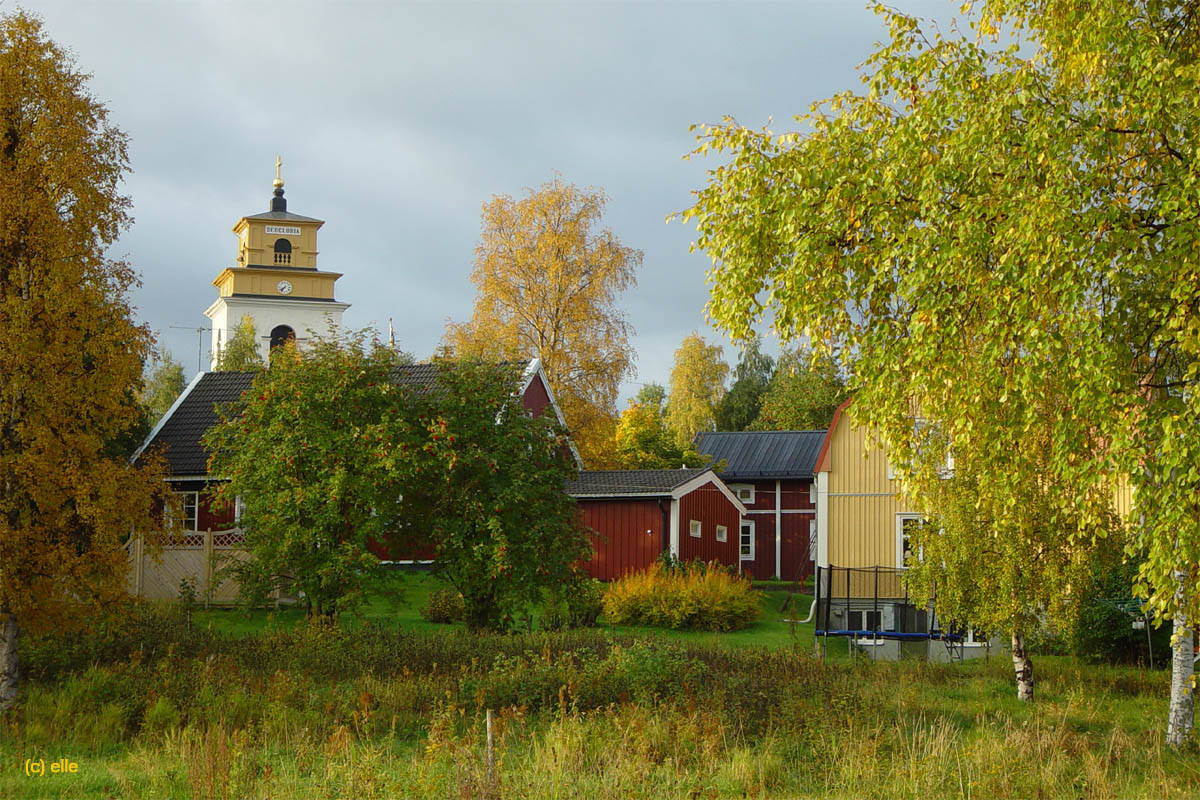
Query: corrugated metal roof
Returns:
{"type": "Point", "coordinates": [619, 482]}
{"type": "Point", "coordinates": [763, 454]}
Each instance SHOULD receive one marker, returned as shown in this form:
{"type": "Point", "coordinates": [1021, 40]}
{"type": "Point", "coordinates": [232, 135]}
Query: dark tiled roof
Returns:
{"type": "Point", "coordinates": [180, 432]}
{"type": "Point", "coordinates": [618, 482]}
{"type": "Point", "coordinates": [283, 215]}
{"type": "Point", "coordinates": [763, 454]}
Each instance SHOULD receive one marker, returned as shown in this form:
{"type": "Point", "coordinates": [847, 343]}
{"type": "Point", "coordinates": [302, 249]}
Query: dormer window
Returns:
{"type": "Point", "coordinates": [283, 251]}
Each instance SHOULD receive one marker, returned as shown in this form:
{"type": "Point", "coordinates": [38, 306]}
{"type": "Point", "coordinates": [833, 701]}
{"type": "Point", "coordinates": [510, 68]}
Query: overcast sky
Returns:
{"type": "Point", "coordinates": [397, 121]}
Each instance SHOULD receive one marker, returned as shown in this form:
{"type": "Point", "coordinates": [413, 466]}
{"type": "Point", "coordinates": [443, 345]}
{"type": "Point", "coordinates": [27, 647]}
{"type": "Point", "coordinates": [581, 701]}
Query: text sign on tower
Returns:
{"type": "Point", "coordinates": [286, 230]}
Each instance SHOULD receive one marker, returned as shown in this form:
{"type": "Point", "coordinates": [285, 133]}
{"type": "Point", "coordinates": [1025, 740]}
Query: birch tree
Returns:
{"type": "Point", "coordinates": [70, 353]}
{"type": "Point", "coordinates": [547, 279]}
{"type": "Point", "coordinates": [991, 218]}
{"type": "Point", "coordinates": [697, 388]}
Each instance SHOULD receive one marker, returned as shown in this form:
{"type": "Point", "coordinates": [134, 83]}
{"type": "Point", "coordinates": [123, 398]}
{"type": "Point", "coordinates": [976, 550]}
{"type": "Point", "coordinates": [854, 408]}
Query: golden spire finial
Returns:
{"type": "Point", "coordinates": [278, 180]}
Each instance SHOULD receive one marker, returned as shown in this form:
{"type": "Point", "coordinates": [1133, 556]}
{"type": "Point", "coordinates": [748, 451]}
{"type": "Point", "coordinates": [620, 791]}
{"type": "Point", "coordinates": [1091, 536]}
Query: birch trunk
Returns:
{"type": "Point", "coordinates": [1181, 716]}
{"type": "Point", "coordinates": [9, 665]}
{"type": "Point", "coordinates": [1023, 667]}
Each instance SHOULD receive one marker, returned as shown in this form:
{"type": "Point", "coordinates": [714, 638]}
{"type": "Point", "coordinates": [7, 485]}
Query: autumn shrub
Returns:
{"type": "Point", "coordinates": [709, 600]}
{"type": "Point", "coordinates": [575, 605]}
{"type": "Point", "coordinates": [444, 606]}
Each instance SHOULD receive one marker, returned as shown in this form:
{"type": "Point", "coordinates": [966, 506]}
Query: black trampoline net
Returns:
{"type": "Point", "coordinates": [872, 603]}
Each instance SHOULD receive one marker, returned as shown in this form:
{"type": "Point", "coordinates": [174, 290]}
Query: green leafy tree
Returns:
{"type": "Point", "coordinates": [240, 353]}
{"type": "Point", "coordinates": [990, 223]}
{"type": "Point", "coordinates": [805, 390]}
{"type": "Point", "coordinates": [751, 377]}
{"type": "Point", "coordinates": [305, 449]}
{"type": "Point", "coordinates": [652, 394]}
{"type": "Point", "coordinates": [997, 560]}
{"type": "Point", "coordinates": [70, 353]}
{"type": "Point", "coordinates": [163, 384]}
{"type": "Point", "coordinates": [697, 386]}
{"type": "Point", "coordinates": [486, 487]}
{"type": "Point", "coordinates": [643, 440]}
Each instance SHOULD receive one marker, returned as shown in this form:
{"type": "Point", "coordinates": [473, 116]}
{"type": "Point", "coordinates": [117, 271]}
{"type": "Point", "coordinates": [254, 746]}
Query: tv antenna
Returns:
{"type": "Point", "coordinates": [199, 343]}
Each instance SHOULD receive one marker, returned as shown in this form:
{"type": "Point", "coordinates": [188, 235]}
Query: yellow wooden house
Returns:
{"type": "Point", "coordinates": [863, 528]}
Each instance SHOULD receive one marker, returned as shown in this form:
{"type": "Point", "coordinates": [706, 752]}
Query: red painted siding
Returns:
{"type": "Point", "coordinates": [207, 517]}
{"type": "Point", "coordinates": [628, 535]}
{"type": "Point", "coordinates": [210, 519]}
{"type": "Point", "coordinates": [795, 544]}
{"type": "Point", "coordinates": [712, 508]}
{"type": "Point", "coordinates": [764, 495]}
{"type": "Point", "coordinates": [794, 495]}
{"type": "Point", "coordinates": [536, 398]}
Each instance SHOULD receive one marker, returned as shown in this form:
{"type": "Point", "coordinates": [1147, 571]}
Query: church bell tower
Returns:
{"type": "Point", "coordinates": [276, 281]}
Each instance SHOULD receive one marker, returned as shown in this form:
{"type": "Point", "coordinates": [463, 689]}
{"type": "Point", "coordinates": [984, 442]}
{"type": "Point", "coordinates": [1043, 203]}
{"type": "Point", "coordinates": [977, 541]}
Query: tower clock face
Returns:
{"type": "Point", "coordinates": [284, 287]}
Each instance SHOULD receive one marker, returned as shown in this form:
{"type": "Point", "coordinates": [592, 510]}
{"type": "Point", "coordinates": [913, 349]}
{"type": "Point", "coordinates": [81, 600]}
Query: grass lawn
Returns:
{"type": "Point", "coordinates": [770, 631]}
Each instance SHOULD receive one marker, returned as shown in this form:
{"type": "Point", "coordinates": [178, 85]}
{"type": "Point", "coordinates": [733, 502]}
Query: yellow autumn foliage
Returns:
{"type": "Point", "coordinates": [546, 286]}
{"type": "Point", "coordinates": [695, 597]}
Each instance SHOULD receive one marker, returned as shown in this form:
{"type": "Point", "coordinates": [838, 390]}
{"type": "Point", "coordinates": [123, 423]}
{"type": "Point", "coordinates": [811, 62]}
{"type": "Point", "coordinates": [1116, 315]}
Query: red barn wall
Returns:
{"type": "Point", "coordinates": [208, 518]}
{"type": "Point", "coordinates": [628, 535]}
{"type": "Point", "coordinates": [711, 507]}
{"type": "Point", "coordinates": [764, 494]}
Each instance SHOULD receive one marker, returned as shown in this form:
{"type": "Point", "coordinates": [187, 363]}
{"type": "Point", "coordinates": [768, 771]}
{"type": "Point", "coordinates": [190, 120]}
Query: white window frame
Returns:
{"type": "Point", "coordinates": [239, 508]}
{"type": "Point", "coordinates": [865, 613]}
{"type": "Point", "coordinates": [696, 529]}
{"type": "Point", "coordinates": [738, 488]}
{"type": "Point", "coordinates": [746, 556]}
{"type": "Point", "coordinates": [900, 519]}
{"type": "Point", "coordinates": [195, 515]}
{"type": "Point", "coordinates": [722, 533]}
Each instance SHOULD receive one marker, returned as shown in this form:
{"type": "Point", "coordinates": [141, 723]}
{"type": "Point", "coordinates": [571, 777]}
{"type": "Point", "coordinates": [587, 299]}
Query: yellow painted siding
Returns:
{"type": "Point", "coordinates": [257, 247]}
{"type": "Point", "coordinates": [1123, 498]}
{"type": "Point", "coordinates": [243, 281]}
{"type": "Point", "coordinates": [863, 504]}
{"type": "Point", "coordinates": [862, 501]}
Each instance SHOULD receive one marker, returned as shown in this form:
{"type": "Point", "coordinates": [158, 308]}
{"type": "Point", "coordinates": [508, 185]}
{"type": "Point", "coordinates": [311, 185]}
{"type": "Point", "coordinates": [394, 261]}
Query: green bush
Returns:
{"type": "Point", "coordinates": [445, 606]}
{"type": "Point", "coordinates": [1101, 632]}
{"type": "Point", "coordinates": [708, 599]}
{"type": "Point", "coordinates": [577, 605]}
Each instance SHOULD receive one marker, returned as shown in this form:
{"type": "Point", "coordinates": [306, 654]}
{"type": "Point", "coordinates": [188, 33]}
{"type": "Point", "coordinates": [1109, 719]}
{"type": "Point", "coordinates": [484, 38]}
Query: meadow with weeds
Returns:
{"type": "Point", "coordinates": [152, 706]}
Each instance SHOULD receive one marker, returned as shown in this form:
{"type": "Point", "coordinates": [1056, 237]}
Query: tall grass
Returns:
{"type": "Point", "coordinates": [170, 711]}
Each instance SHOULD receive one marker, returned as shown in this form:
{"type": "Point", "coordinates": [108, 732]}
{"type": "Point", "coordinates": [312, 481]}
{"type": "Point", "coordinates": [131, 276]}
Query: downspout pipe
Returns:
{"type": "Point", "coordinates": [812, 610]}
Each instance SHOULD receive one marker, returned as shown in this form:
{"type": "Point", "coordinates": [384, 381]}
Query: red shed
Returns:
{"type": "Point", "coordinates": [636, 515]}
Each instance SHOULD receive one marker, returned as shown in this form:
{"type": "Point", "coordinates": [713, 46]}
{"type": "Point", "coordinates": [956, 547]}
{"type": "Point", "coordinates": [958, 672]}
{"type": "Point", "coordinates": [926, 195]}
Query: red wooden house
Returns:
{"type": "Point", "coordinates": [771, 472]}
{"type": "Point", "coordinates": [178, 434]}
{"type": "Point", "coordinates": [637, 515]}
